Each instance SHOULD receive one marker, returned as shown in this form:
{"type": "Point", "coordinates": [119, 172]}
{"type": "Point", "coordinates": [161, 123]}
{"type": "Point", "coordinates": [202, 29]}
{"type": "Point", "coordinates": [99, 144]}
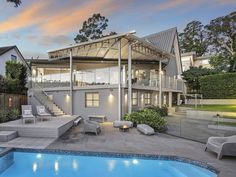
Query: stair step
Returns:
{"type": "Point", "coordinates": [6, 136]}
{"type": "Point", "coordinates": [49, 104]}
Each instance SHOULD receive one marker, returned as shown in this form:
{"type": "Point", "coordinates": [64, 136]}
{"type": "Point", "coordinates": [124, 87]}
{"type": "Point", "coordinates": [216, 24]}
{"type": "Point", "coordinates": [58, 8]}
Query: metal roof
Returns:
{"type": "Point", "coordinates": [6, 49]}
{"type": "Point", "coordinates": [107, 48]}
{"type": "Point", "coordinates": [162, 40]}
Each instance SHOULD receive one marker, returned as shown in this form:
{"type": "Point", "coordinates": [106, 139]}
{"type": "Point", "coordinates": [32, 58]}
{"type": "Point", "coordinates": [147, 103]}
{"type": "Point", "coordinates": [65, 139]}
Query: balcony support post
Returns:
{"type": "Point", "coordinates": [119, 80]}
{"type": "Point", "coordinates": [160, 84]}
{"type": "Point", "coordinates": [170, 100]}
{"type": "Point", "coordinates": [129, 78]}
{"type": "Point", "coordinates": [71, 83]}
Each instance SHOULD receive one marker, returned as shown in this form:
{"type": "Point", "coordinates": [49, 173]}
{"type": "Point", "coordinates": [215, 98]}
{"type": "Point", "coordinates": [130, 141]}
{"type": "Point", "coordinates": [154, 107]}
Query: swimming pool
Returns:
{"type": "Point", "coordinates": [41, 164]}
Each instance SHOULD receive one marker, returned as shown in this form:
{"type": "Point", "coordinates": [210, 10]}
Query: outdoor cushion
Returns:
{"type": "Point", "coordinates": [118, 123]}
{"type": "Point", "coordinates": [27, 112]}
{"type": "Point", "coordinates": [41, 110]}
{"type": "Point", "coordinates": [145, 129]}
{"type": "Point", "coordinates": [28, 116]}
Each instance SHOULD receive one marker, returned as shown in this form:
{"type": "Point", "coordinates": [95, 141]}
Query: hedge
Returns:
{"type": "Point", "coordinates": [219, 86]}
{"type": "Point", "coordinates": [149, 117]}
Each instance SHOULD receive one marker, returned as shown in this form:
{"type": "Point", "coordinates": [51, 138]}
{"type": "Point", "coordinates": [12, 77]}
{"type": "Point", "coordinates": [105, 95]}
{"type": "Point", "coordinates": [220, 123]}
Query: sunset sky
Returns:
{"type": "Point", "coordinates": [39, 25]}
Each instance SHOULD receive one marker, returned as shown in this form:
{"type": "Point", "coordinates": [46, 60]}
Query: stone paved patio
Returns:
{"type": "Point", "coordinates": [26, 142]}
{"type": "Point", "coordinates": [112, 140]}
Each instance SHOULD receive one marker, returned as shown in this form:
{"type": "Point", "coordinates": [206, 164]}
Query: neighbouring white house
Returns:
{"type": "Point", "coordinates": [9, 53]}
{"type": "Point", "coordinates": [190, 59]}
{"type": "Point", "coordinates": [110, 76]}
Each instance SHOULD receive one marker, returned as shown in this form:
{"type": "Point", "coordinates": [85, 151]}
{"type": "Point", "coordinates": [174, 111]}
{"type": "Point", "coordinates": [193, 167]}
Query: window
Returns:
{"type": "Point", "coordinates": [134, 98]}
{"type": "Point", "coordinates": [13, 58]}
{"type": "Point", "coordinates": [147, 98]}
{"type": "Point", "coordinates": [92, 99]}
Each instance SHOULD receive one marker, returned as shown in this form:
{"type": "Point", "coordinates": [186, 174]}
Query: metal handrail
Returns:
{"type": "Point", "coordinates": [40, 88]}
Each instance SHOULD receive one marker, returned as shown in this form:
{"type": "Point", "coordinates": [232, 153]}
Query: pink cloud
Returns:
{"type": "Point", "coordinates": [70, 19]}
{"type": "Point", "coordinates": [27, 17]}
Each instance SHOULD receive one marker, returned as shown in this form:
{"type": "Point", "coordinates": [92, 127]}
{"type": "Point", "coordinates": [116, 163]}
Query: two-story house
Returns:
{"type": "Point", "coordinates": [110, 76]}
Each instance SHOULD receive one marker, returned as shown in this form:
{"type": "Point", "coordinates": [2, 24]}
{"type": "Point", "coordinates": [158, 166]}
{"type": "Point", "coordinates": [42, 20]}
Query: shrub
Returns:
{"type": "Point", "coordinates": [220, 86]}
{"type": "Point", "coordinates": [3, 116]}
{"type": "Point", "coordinates": [9, 115]}
{"type": "Point", "coordinates": [13, 114]}
{"type": "Point", "coordinates": [149, 117]}
{"type": "Point", "coordinates": [162, 111]}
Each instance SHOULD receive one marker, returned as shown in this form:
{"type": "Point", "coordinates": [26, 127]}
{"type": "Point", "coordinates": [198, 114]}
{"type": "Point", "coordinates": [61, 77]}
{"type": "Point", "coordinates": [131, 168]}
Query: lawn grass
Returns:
{"type": "Point", "coordinates": [228, 117]}
{"type": "Point", "coordinates": [216, 108]}
{"type": "Point", "coordinates": [232, 124]}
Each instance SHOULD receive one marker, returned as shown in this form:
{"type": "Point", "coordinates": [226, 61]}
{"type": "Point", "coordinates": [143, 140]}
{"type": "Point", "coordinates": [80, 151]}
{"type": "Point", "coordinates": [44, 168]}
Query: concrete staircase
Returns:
{"type": "Point", "coordinates": [44, 99]}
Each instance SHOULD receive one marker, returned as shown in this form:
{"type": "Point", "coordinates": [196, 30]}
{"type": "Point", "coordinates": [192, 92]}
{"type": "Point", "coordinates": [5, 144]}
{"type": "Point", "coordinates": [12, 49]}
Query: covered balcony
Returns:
{"type": "Point", "coordinates": [107, 76]}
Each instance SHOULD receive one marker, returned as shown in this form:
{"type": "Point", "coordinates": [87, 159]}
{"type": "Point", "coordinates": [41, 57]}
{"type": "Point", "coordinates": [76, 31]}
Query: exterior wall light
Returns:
{"type": "Point", "coordinates": [126, 98]}
{"type": "Point", "coordinates": [67, 98]}
{"type": "Point", "coordinates": [10, 102]}
{"type": "Point", "coordinates": [111, 96]}
{"type": "Point", "coordinates": [34, 72]}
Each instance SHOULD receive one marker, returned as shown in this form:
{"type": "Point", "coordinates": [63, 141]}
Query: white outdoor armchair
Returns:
{"type": "Point", "coordinates": [42, 113]}
{"type": "Point", "coordinates": [222, 145]}
{"type": "Point", "coordinates": [27, 113]}
{"type": "Point", "coordinates": [91, 126]}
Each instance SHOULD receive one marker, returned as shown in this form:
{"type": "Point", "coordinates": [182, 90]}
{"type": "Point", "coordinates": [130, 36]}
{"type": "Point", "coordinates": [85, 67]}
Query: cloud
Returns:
{"type": "Point", "coordinates": [225, 2]}
{"type": "Point", "coordinates": [52, 40]}
{"type": "Point", "coordinates": [66, 18]}
{"type": "Point", "coordinates": [60, 17]}
{"type": "Point", "coordinates": [70, 19]}
{"type": "Point", "coordinates": [170, 4]}
{"type": "Point", "coordinates": [27, 17]}
{"type": "Point", "coordinates": [46, 40]}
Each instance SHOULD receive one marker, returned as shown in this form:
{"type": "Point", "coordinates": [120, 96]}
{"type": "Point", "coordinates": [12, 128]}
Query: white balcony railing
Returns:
{"type": "Point", "coordinates": [106, 76]}
{"type": "Point", "coordinates": [168, 83]}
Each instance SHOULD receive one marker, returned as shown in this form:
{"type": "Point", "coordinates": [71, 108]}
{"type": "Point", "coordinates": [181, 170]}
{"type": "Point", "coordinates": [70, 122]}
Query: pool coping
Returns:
{"type": "Point", "coordinates": [116, 155]}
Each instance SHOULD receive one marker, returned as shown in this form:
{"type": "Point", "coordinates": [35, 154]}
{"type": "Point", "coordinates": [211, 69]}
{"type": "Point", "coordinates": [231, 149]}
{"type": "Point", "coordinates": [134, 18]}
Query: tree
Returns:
{"type": "Point", "coordinates": [16, 73]}
{"type": "Point", "coordinates": [194, 38]}
{"type": "Point", "coordinates": [222, 37]}
{"type": "Point", "coordinates": [16, 2]}
{"type": "Point", "coordinates": [192, 77]}
{"type": "Point", "coordinates": [93, 28]}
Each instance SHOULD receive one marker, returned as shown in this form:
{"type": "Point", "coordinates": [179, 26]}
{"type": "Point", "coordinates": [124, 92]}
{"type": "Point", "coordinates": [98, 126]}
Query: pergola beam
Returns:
{"type": "Point", "coordinates": [108, 49]}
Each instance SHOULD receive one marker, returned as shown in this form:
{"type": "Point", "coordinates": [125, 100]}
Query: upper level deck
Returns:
{"type": "Point", "coordinates": [102, 75]}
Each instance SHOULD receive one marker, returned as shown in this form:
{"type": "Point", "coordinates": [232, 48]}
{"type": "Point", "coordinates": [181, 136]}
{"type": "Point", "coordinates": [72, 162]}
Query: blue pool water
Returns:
{"type": "Point", "coordinates": [26, 164]}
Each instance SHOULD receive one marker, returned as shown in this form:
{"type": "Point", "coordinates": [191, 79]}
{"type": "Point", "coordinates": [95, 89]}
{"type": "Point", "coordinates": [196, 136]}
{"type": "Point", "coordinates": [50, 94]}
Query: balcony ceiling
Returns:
{"type": "Point", "coordinates": [107, 48]}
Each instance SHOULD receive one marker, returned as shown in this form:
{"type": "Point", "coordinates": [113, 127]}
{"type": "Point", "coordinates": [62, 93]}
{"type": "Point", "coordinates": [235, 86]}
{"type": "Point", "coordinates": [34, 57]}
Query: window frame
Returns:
{"type": "Point", "coordinates": [13, 58]}
{"type": "Point", "coordinates": [93, 100]}
{"type": "Point", "coordinates": [147, 98]}
{"type": "Point", "coordinates": [135, 98]}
